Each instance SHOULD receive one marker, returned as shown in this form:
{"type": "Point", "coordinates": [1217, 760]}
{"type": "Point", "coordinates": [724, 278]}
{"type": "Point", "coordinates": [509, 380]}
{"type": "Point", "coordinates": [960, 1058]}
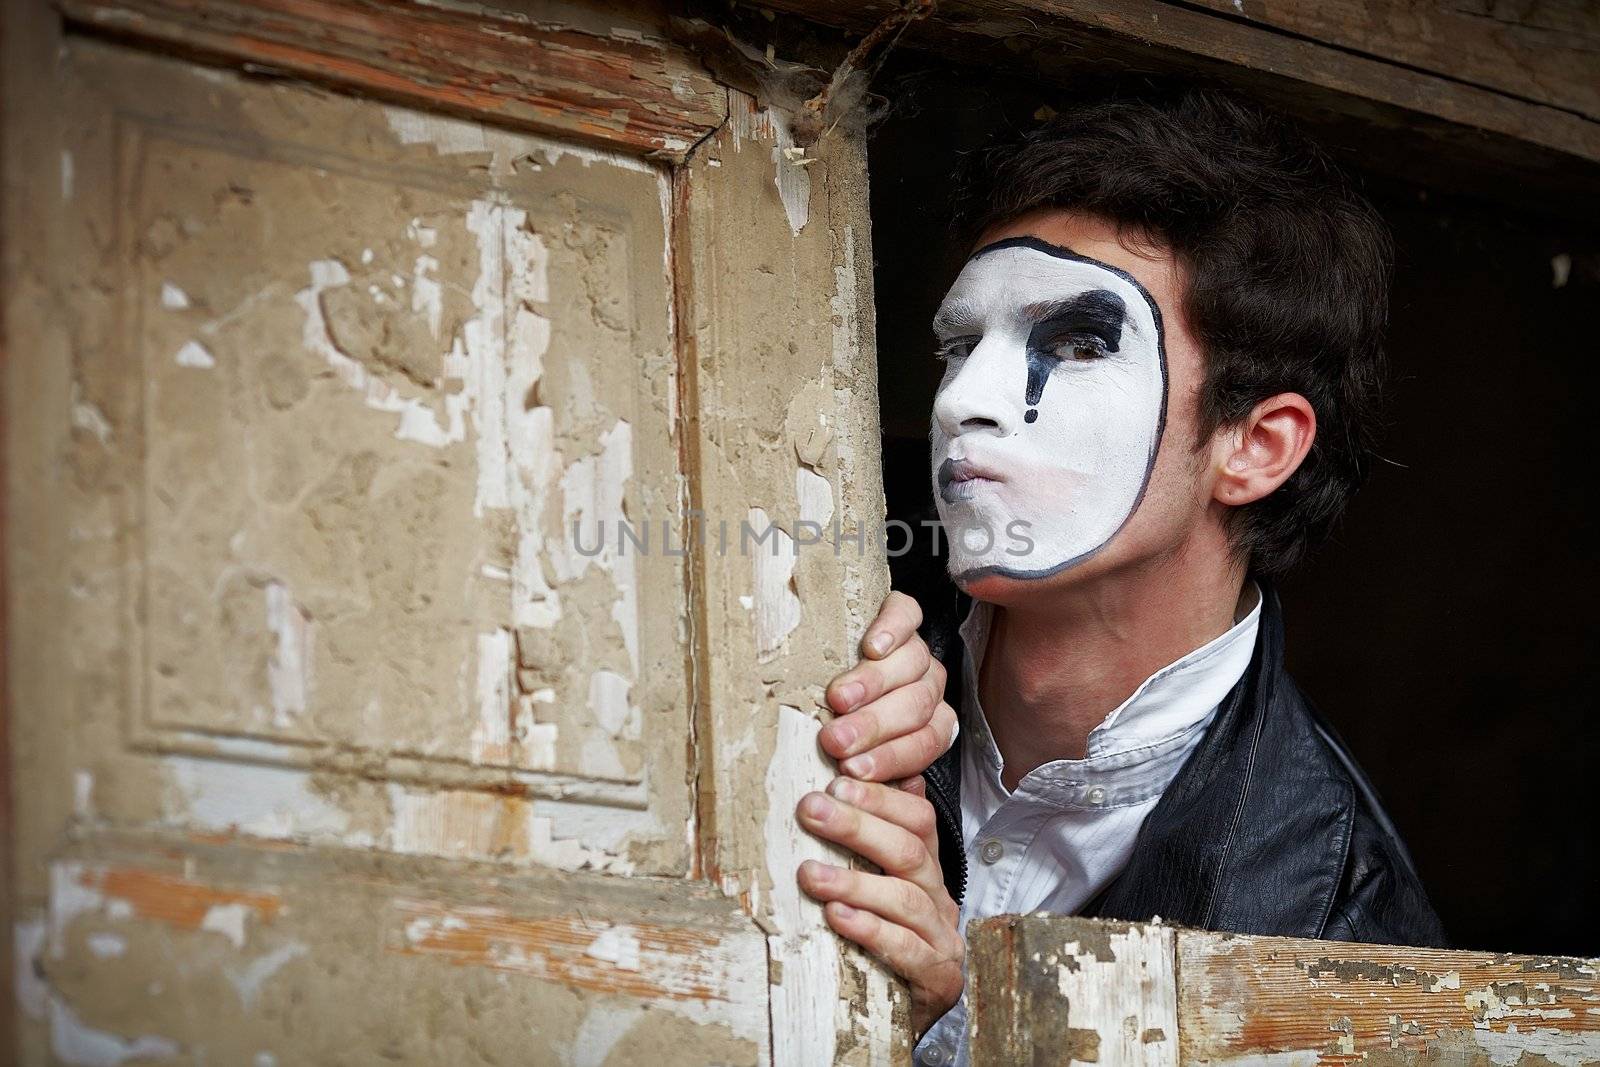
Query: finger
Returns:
{"type": "Point", "coordinates": [908, 754]}
{"type": "Point", "coordinates": [897, 620]}
{"type": "Point", "coordinates": [917, 786]}
{"type": "Point", "coordinates": [870, 679]}
{"type": "Point", "coordinates": [906, 953]}
{"type": "Point", "coordinates": [909, 694]}
{"type": "Point", "coordinates": [893, 899]}
{"type": "Point", "coordinates": [905, 810]}
{"type": "Point", "coordinates": [896, 850]}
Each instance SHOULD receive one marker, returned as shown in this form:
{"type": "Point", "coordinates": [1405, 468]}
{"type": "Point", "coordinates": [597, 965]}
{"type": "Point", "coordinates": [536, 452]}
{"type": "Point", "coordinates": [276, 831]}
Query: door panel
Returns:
{"type": "Point", "coordinates": [365, 370]}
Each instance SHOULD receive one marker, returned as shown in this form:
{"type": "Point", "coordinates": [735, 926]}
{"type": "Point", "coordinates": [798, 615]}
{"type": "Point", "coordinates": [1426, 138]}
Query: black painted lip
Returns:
{"type": "Point", "coordinates": [953, 473]}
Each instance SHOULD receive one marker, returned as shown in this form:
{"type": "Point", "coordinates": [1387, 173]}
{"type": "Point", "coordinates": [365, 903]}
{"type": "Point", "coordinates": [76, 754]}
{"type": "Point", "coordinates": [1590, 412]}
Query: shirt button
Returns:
{"type": "Point", "coordinates": [991, 851]}
{"type": "Point", "coordinates": [1097, 796]}
{"type": "Point", "coordinates": [934, 1056]}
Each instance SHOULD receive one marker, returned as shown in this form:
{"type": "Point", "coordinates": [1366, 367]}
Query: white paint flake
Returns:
{"type": "Point", "coordinates": [264, 801]}
{"type": "Point", "coordinates": [227, 920]}
{"type": "Point", "coordinates": [247, 979]}
{"type": "Point", "coordinates": [427, 296]}
{"type": "Point", "coordinates": [195, 354]}
{"type": "Point", "coordinates": [777, 606]}
{"type": "Point", "coordinates": [173, 298]}
{"type": "Point", "coordinates": [27, 945]}
{"type": "Point", "coordinates": [83, 794]}
{"type": "Point", "coordinates": [85, 416]}
{"type": "Point", "coordinates": [618, 946]}
{"type": "Point", "coordinates": [418, 421]}
{"type": "Point", "coordinates": [608, 701]}
{"type": "Point", "coordinates": [789, 162]}
{"type": "Point", "coordinates": [593, 490]}
{"type": "Point", "coordinates": [814, 494]}
{"type": "Point", "coordinates": [105, 945]}
{"type": "Point", "coordinates": [289, 669]}
{"type": "Point", "coordinates": [76, 1043]}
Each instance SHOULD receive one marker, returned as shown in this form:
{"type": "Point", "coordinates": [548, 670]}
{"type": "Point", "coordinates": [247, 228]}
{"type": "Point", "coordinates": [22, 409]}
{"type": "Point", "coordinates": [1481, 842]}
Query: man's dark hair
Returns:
{"type": "Point", "coordinates": [1288, 269]}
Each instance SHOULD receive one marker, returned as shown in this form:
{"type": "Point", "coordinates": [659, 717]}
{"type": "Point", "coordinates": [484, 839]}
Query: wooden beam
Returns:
{"type": "Point", "coordinates": [1546, 54]}
{"type": "Point", "coordinates": [778, 382]}
{"type": "Point", "coordinates": [1053, 38]}
{"type": "Point", "coordinates": [631, 95]}
{"type": "Point", "coordinates": [1082, 990]}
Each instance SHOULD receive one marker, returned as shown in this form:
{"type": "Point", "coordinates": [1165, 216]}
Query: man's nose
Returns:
{"type": "Point", "coordinates": [985, 394]}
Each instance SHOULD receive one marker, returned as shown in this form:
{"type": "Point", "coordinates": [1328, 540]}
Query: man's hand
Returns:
{"type": "Point", "coordinates": [903, 916]}
{"type": "Point", "coordinates": [892, 719]}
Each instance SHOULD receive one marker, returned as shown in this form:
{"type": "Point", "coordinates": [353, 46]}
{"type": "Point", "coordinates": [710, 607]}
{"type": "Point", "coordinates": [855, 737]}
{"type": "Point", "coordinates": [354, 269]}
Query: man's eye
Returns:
{"type": "Point", "coordinates": [956, 348]}
{"type": "Point", "coordinates": [1080, 349]}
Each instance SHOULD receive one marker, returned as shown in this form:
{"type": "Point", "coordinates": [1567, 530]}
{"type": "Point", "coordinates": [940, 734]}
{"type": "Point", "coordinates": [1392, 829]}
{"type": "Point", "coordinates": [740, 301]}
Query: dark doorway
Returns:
{"type": "Point", "coordinates": [1449, 631]}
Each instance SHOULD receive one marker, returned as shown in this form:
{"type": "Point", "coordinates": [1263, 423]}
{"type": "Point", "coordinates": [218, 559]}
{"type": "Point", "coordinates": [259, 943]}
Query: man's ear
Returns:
{"type": "Point", "coordinates": [1256, 455]}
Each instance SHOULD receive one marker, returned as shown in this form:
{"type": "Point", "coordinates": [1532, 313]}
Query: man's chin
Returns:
{"type": "Point", "coordinates": [994, 581]}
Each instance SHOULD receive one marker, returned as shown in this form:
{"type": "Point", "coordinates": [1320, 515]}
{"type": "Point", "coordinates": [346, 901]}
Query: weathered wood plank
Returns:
{"type": "Point", "coordinates": [1495, 46]}
{"type": "Point", "coordinates": [155, 943]}
{"type": "Point", "coordinates": [1047, 990]}
{"type": "Point", "coordinates": [1059, 989]}
{"type": "Point", "coordinates": [1243, 998]}
{"type": "Point", "coordinates": [629, 94]}
{"type": "Point", "coordinates": [780, 403]}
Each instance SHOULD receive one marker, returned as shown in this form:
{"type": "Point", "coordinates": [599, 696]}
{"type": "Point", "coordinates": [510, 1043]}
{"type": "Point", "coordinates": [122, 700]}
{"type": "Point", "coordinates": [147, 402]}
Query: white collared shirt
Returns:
{"type": "Point", "coordinates": [1069, 827]}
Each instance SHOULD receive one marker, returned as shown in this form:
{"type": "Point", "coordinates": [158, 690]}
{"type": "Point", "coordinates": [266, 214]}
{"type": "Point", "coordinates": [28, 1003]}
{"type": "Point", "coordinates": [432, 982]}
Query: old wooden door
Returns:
{"type": "Point", "coordinates": [343, 339]}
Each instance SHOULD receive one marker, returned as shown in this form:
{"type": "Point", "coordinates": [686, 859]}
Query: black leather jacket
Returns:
{"type": "Point", "coordinates": [1268, 828]}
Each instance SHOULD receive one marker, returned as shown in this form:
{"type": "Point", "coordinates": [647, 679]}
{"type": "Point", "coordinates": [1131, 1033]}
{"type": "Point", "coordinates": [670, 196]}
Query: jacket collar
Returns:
{"type": "Point", "coordinates": [1252, 833]}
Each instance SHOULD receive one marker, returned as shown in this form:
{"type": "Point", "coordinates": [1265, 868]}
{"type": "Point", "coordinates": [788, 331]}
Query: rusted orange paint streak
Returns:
{"type": "Point", "coordinates": [672, 963]}
{"type": "Point", "coordinates": [172, 900]}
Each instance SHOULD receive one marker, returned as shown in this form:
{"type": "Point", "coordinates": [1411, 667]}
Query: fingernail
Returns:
{"type": "Point", "coordinates": [850, 695]}
{"type": "Point", "coordinates": [844, 735]}
{"type": "Point", "coordinates": [816, 806]}
{"type": "Point", "coordinates": [857, 766]}
{"type": "Point", "coordinates": [821, 872]}
{"type": "Point", "coordinates": [879, 642]}
{"type": "Point", "coordinates": [845, 789]}
{"type": "Point", "coordinates": [844, 911]}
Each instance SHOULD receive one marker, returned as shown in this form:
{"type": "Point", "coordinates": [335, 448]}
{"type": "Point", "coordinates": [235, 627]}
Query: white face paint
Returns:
{"type": "Point", "coordinates": [1046, 425]}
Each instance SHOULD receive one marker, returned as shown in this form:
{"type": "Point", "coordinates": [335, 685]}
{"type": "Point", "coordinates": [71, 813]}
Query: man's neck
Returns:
{"type": "Point", "coordinates": [1055, 667]}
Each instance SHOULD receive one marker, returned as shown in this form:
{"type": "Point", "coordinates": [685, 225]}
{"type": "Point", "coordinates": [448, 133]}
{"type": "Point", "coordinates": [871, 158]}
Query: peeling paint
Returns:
{"type": "Point", "coordinates": [800, 941]}
{"type": "Point", "coordinates": [227, 920]}
{"type": "Point", "coordinates": [85, 416]}
{"type": "Point", "coordinates": [76, 1043]}
{"type": "Point", "coordinates": [777, 604]}
{"type": "Point", "coordinates": [247, 979]}
{"type": "Point", "coordinates": [195, 354]}
{"type": "Point", "coordinates": [27, 946]}
{"type": "Point", "coordinates": [106, 946]}
{"type": "Point", "coordinates": [788, 161]}
{"type": "Point", "coordinates": [289, 670]}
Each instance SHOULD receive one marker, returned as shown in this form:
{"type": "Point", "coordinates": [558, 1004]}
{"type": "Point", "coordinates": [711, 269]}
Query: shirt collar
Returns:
{"type": "Point", "coordinates": [1170, 704]}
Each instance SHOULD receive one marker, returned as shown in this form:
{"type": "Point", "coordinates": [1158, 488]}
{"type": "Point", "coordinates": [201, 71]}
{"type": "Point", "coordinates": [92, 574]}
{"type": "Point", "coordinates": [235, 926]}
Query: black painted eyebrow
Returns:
{"type": "Point", "coordinates": [1098, 310]}
{"type": "Point", "coordinates": [958, 317]}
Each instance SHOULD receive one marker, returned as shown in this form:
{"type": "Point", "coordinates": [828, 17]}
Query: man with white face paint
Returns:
{"type": "Point", "coordinates": [1063, 464]}
{"type": "Point", "coordinates": [1162, 361]}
